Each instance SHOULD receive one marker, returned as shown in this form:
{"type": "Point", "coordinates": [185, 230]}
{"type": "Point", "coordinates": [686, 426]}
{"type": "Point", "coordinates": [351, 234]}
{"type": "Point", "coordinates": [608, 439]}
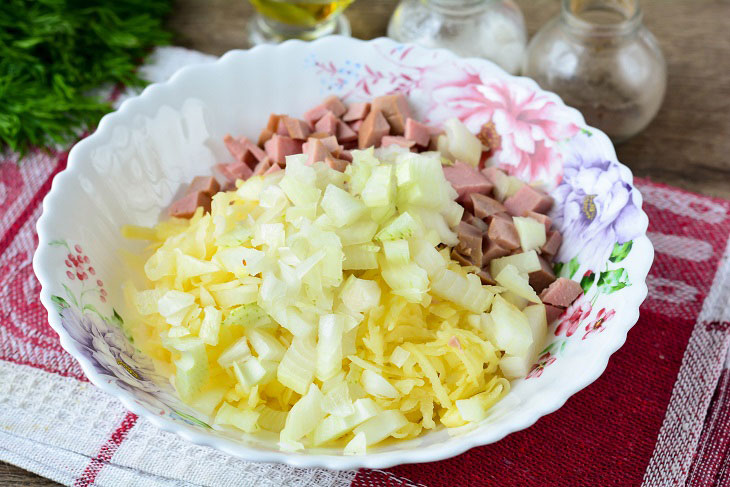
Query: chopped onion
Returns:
{"type": "Point", "coordinates": [511, 329]}
{"type": "Point", "coordinates": [531, 233]}
{"type": "Point", "coordinates": [304, 415]}
{"type": "Point", "coordinates": [341, 206]}
{"type": "Point", "coordinates": [377, 385]}
{"type": "Point", "coordinates": [524, 262]}
{"type": "Point", "coordinates": [238, 351]}
{"type": "Point", "coordinates": [381, 426]}
{"type": "Point", "coordinates": [296, 369]}
{"type": "Point", "coordinates": [510, 278]}
{"type": "Point", "coordinates": [462, 144]}
{"type": "Point", "coordinates": [329, 346]}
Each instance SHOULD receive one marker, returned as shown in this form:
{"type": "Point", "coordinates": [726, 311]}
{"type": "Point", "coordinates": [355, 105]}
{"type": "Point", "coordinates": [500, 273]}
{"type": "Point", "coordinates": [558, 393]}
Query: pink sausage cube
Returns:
{"type": "Point", "coordinates": [204, 184]}
{"type": "Point", "coordinates": [356, 125]}
{"type": "Point", "coordinates": [504, 233]}
{"type": "Point", "coordinates": [295, 128]}
{"type": "Point", "coordinates": [346, 155]}
{"type": "Point", "coordinates": [328, 124]}
{"type": "Point", "coordinates": [552, 312]}
{"type": "Point", "coordinates": [329, 104]}
{"type": "Point", "coordinates": [356, 111]}
{"type": "Point", "coordinates": [315, 150]}
{"type": "Point", "coordinates": [466, 180]}
{"type": "Point", "coordinates": [345, 132]}
{"type": "Point", "coordinates": [372, 130]}
{"type": "Point", "coordinates": [262, 167]}
{"type": "Point", "coordinates": [274, 168]}
{"type": "Point", "coordinates": [395, 109]}
{"type": "Point", "coordinates": [185, 207]}
{"type": "Point", "coordinates": [552, 243]}
{"type": "Point", "coordinates": [417, 132]}
{"type": "Point", "coordinates": [561, 292]}
{"type": "Point", "coordinates": [336, 164]}
{"type": "Point", "coordinates": [280, 146]}
{"type": "Point", "coordinates": [396, 140]}
{"type": "Point", "coordinates": [527, 199]}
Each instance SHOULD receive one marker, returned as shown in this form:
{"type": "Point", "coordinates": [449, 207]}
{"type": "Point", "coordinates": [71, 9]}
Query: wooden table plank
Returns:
{"type": "Point", "coordinates": [687, 145]}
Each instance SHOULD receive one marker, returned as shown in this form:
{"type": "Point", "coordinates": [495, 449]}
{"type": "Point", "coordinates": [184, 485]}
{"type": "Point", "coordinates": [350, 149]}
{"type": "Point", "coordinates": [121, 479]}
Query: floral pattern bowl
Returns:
{"type": "Point", "coordinates": [140, 156]}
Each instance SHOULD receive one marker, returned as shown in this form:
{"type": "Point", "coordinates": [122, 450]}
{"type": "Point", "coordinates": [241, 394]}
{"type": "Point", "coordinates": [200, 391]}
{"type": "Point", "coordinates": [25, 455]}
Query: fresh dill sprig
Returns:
{"type": "Point", "coordinates": [56, 54]}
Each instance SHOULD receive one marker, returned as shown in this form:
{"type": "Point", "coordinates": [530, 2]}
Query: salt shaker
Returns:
{"type": "Point", "coordinates": [601, 59]}
{"type": "Point", "coordinates": [492, 29]}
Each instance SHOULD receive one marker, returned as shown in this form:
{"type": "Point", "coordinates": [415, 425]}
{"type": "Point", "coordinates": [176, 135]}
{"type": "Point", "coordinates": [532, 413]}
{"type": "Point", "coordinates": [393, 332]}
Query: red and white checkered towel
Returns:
{"type": "Point", "coordinates": [658, 416]}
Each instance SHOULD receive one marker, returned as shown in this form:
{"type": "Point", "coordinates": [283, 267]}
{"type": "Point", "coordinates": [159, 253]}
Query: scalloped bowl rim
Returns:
{"type": "Point", "coordinates": [559, 394]}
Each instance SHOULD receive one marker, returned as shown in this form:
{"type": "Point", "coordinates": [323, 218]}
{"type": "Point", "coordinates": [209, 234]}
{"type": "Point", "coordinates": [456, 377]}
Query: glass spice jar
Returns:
{"type": "Point", "coordinates": [601, 59]}
{"type": "Point", "coordinates": [491, 29]}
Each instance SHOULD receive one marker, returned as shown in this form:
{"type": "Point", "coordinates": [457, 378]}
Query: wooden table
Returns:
{"type": "Point", "coordinates": [687, 144]}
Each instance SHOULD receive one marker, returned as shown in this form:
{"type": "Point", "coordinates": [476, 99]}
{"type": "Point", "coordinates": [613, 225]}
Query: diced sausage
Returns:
{"type": "Point", "coordinates": [315, 150]}
{"type": "Point", "coordinates": [552, 313]}
{"type": "Point", "coordinates": [527, 199]}
{"type": "Point", "coordinates": [486, 277]}
{"type": "Point", "coordinates": [270, 129]}
{"type": "Point", "coordinates": [264, 136]}
{"type": "Point", "coordinates": [562, 292]}
{"type": "Point", "coordinates": [356, 125]}
{"type": "Point", "coordinates": [493, 174]}
{"type": "Point", "coordinates": [433, 142]}
{"type": "Point", "coordinates": [395, 109]}
{"type": "Point", "coordinates": [462, 260]}
{"type": "Point", "coordinates": [356, 111]}
{"type": "Point", "coordinates": [470, 242]}
{"type": "Point", "coordinates": [280, 146]}
{"type": "Point", "coordinates": [346, 155]}
{"type": "Point", "coordinates": [484, 206]}
{"type": "Point", "coordinates": [472, 220]}
{"type": "Point", "coordinates": [329, 104]}
{"type": "Point", "coordinates": [541, 279]}
{"type": "Point", "coordinates": [396, 140]}
{"type": "Point", "coordinates": [345, 133]}
{"type": "Point", "coordinates": [542, 218]}
{"type": "Point", "coordinates": [281, 127]}
{"type": "Point", "coordinates": [335, 163]}
{"type": "Point", "coordinates": [552, 243]}
{"type": "Point", "coordinates": [372, 130]}
{"type": "Point", "coordinates": [204, 184]}
{"type": "Point", "coordinates": [295, 128]}
{"type": "Point", "coordinates": [327, 124]}
{"type": "Point", "coordinates": [243, 150]}
{"type": "Point", "coordinates": [274, 168]}
{"type": "Point", "coordinates": [234, 170]}
{"type": "Point", "coordinates": [466, 180]}
{"type": "Point", "coordinates": [330, 142]}
{"type": "Point", "coordinates": [504, 233]}
{"type": "Point", "coordinates": [492, 250]}
{"type": "Point", "coordinates": [263, 166]}
{"type": "Point", "coordinates": [185, 207]}
{"type": "Point", "coordinates": [417, 132]}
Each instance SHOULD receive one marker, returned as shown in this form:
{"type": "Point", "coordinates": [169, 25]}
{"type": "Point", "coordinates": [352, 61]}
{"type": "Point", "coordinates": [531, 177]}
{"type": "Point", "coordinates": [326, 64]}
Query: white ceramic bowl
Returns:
{"type": "Point", "coordinates": [131, 168]}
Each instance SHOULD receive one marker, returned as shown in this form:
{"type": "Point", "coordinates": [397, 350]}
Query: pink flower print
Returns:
{"type": "Point", "coordinates": [599, 324]}
{"type": "Point", "coordinates": [530, 126]}
{"type": "Point", "coordinates": [572, 317]}
{"type": "Point", "coordinates": [530, 123]}
{"type": "Point", "coordinates": [544, 361]}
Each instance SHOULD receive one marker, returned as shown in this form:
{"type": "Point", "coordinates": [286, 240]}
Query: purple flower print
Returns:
{"type": "Point", "coordinates": [599, 208]}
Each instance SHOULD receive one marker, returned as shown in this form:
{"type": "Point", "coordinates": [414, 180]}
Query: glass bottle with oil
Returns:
{"type": "Point", "coordinates": [278, 20]}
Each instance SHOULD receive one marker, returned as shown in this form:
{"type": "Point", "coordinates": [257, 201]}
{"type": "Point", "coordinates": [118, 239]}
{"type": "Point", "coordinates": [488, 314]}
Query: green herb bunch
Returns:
{"type": "Point", "coordinates": [56, 54]}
